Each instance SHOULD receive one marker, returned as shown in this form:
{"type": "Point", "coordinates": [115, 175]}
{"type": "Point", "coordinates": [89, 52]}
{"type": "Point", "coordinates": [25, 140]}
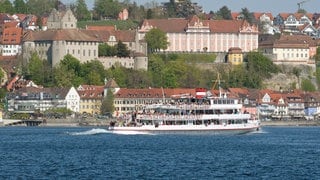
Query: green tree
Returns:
{"type": "Point", "coordinates": [258, 68]}
{"type": "Point", "coordinates": [138, 78]}
{"type": "Point", "coordinates": [105, 50]}
{"type": "Point", "coordinates": [119, 74]}
{"type": "Point", "coordinates": [136, 13]}
{"type": "Point", "coordinates": [93, 78]}
{"type": "Point", "coordinates": [306, 85]}
{"type": "Point", "coordinates": [39, 71]}
{"type": "Point", "coordinates": [6, 7]}
{"type": "Point", "coordinates": [106, 9]}
{"type": "Point", "coordinates": [72, 64]}
{"type": "Point", "coordinates": [81, 11]}
{"type": "Point", "coordinates": [170, 78]}
{"type": "Point", "coordinates": [93, 72]}
{"type": "Point", "coordinates": [237, 76]}
{"type": "Point", "coordinates": [20, 6]}
{"type": "Point", "coordinates": [247, 15]}
{"type": "Point", "coordinates": [40, 7]}
{"type": "Point", "coordinates": [1, 73]}
{"type": "Point", "coordinates": [68, 72]}
{"type": "Point", "coordinates": [224, 13]}
{"type": "Point", "coordinates": [156, 67]}
{"type": "Point", "coordinates": [3, 103]}
{"type": "Point", "coordinates": [149, 14]}
{"type": "Point", "coordinates": [156, 40]}
{"type": "Point", "coordinates": [64, 77]}
{"type": "Point", "coordinates": [107, 105]}
{"type": "Point", "coordinates": [259, 64]}
{"type": "Point", "coordinates": [122, 50]}
{"type": "Point", "coordinates": [297, 72]}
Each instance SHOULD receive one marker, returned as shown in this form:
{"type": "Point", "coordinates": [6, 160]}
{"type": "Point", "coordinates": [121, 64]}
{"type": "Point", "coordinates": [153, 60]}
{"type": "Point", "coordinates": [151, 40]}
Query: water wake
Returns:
{"type": "Point", "coordinates": [90, 132]}
{"type": "Point", "coordinates": [261, 131]}
{"type": "Point", "coordinates": [132, 133]}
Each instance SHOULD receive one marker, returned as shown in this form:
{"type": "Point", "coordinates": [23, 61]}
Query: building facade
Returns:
{"type": "Point", "coordinates": [91, 98]}
{"type": "Point", "coordinates": [61, 20]}
{"type": "Point", "coordinates": [53, 45]}
{"type": "Point", "coordinates": [37, 100]}
{"type": "Point", "coordinates": [195, 35]}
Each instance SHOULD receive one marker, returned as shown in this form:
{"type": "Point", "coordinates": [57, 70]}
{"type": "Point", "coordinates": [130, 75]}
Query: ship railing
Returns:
{"type": "Point", "coordinates": [171, 117]}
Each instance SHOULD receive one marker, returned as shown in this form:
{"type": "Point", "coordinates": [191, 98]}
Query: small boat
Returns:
{"type": "Point", "coordinates": [203, 113]}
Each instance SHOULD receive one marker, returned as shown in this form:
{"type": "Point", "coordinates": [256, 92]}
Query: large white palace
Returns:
{"type": "Point", "coordinates": [196, 35]}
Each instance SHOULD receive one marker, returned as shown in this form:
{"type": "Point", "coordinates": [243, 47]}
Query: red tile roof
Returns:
{"type": "Point", "coordinates": [153, 93]}
{"type": "Point", "coordinates": [178, 25]}
{"type": "Point", "coordinates": [90, 91]}
{"type": "Point", "coordinates": [11, 36]}
{"type": "Point", "coordinates": [62, 34]}
{"type": "Point", "coordinates": [257, 15]}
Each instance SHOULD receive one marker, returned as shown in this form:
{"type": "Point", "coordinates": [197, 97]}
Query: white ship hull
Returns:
{"type": "Point", "coordinates": [185, 129]}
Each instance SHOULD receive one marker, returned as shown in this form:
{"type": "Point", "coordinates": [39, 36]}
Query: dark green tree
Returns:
{"type": "Point", "coordinates": [224, 13]}
{"type": "Point", "coordinates": [307, 85]}
{"type": "Point", "coordinates": [65, 78]}
{"type": "Point", "coordinates": [317, 61]}
{"type": "Point", "coordinates": [1, 73]}
{"type": "Point", "coordinates": [136, 12]}
{"type": "Point", "coordinates": [122, 50]}
{"type": "Point", "coordinates": [93, 72]}
{"type": "Point", "coordinates": [258, 68]}
{"type": "Point", "coordinates": [81, 11]}
{"type": "Point", "coordinates": [237, 76]}
{"type": "Point", "coordinates": [119, 74]}
{"type": "Point", "coordinates": [138, 79]}
{"type": "Point", "coordinates": [149, 14]}
{"type": "Point", "coordinates": [68, 72]}
{"type": "Point", "coordinates": [3, 103]}
{"type": "Point", "coordinates": [106, 50]}
{"type": "Point", "coordinates": [259, 64]}
{"type": "Point", "coordinates": [39, 71]}
{"type": "Point", "coordinates": [107, 105]}
{"type": "Point", "coordinates": [297, 72]}
{"type": "Point", "coordinates": [72, 64]}
{"type": "Point", "coordinates": [40, 7]}
{"type": "Point", "coordinates": [156, 67]}
{"type": "Point", "coordinates": [20, 6]}
{"type": "Point", "coordinates": [106, 9]}
{"type": "Point", "coordinates": [247, 15]}
{"type": "Point", "coordinates": [156, 40]}
{"type": "Point", "coordinates": [6, 7]}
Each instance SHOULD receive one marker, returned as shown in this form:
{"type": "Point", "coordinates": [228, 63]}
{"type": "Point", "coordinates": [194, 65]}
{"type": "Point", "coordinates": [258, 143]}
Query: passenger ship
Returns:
{"type": "Point", "coordinates": [186, 114]}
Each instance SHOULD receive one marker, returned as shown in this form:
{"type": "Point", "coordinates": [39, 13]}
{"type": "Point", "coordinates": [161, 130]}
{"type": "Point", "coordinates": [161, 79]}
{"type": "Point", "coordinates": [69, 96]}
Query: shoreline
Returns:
{"type": "Point", "coordinates": [291, 123]}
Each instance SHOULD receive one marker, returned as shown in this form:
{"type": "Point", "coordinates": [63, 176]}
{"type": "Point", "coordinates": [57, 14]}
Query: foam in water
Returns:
{"type": "Point", "coordinates": [131, 133]}
{"type": "Point", "coordinates": [104, 131]}
{"type": "Point", "coordinates": [91, 132]}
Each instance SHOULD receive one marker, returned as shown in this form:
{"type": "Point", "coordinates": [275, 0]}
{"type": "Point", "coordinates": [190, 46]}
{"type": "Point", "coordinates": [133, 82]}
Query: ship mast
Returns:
{"type": "Point", "coordinates": [219, 85]}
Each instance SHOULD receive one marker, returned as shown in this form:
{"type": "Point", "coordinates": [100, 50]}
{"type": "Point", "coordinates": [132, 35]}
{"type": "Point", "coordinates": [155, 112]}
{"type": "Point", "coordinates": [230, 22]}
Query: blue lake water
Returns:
{"type": "Point", "coordinates": [93, 153]}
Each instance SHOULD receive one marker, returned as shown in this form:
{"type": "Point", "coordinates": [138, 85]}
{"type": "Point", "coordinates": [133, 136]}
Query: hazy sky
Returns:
{"type": "Point", "coordinates": [273, 6]}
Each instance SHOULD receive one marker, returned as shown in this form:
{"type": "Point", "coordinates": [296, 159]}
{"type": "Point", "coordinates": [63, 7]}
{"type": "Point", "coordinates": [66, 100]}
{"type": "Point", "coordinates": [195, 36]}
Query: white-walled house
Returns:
{"type": "Point", "coordinates": [73, 100]}
{"type": "Point", "coordinates": [33, 100]}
